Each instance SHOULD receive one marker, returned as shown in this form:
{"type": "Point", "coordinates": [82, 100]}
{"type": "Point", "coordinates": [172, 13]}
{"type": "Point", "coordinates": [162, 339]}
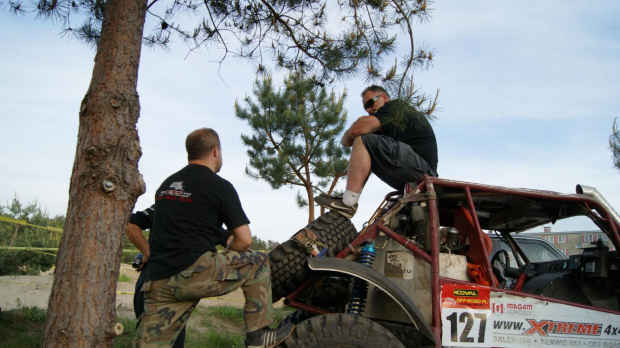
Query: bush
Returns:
{"type": "Point", "coordinates": [22, 327]}
{"type": "Point", "coordinates": [28, 262]}
{"type": "Point", "coordinates": [128, 255]}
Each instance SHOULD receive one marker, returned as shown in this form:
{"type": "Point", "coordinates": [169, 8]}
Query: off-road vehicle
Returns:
{"type": "Point", "coordinates": [421, 273]}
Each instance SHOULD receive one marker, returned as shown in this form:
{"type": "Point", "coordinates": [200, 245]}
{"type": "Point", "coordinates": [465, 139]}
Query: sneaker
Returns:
{"type": "Point", "coordinates": [336, 204]}
{"type": "Point", "coordinates": [267, 338]}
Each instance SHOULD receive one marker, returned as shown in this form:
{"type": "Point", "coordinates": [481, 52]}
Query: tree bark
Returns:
{"type": "Point", "coordinates": [105, 184]}
{"type": "Point", "coordinates": [14, 236]}
{"type": "Point", "coordinates": [310, 203]}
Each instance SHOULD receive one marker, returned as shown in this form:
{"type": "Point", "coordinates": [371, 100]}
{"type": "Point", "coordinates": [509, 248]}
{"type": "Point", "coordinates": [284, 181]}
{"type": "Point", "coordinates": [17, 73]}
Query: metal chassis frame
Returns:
{"type": "Point", "coordinates": [426, 185]}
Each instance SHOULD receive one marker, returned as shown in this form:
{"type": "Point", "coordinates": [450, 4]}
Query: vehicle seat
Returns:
{"type": "Point", "coordinates": [464, 223]}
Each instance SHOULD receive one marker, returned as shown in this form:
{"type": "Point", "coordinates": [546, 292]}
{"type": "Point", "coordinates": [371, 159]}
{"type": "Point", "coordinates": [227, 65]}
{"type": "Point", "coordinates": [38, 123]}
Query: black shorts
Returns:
{"type": "Point", "coordinates": [395, 162]}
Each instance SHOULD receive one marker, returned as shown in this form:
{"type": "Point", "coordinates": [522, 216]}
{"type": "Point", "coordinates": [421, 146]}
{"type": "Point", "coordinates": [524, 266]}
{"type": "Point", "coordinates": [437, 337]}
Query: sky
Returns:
{"type": "Point", "coordinates": [528, 96]}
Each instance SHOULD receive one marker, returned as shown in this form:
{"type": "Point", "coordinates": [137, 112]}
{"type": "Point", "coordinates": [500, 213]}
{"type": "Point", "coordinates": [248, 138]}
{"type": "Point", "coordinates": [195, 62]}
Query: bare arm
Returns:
{"type": "Point", "coordinates": [347, 138]}
{"type": "Point", "coordinates": [229, 240]}
{"type": "Point", "coordinates": [363, 125]}
{"type": "Point", "coordinates": [241, 239]}
{"type": "Point", "coordinates": [135, 236]}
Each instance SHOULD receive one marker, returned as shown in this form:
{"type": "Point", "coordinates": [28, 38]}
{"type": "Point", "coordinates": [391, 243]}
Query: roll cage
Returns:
{"type": "Point", "coordinates": [416, 219]}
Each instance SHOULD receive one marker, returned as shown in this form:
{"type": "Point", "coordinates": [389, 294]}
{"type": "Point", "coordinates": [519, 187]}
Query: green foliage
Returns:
{"type": "Point", "coordinates": [401, 114]}
{"type": "Point", "coordinates": [280, 314]}
{"type": "Point", "coordinates": [129, 250]}
{"type": "Point", "coordinates": [28, 262]}
{"type": "Point", "coordinates": [614, 144]}
{"type": "Point", "coordinates": [259, 244]}
{"type": "Point", "coordinates": [129, 331]}
{"type": "Point", "coordinates": [30, 313]}
{"type": "Point", "coordinates": [22, 327]}
{"type": "Point", "coordinates": [123, 278]}
{"type": "Point", "coordinates": [129, 254]}
{"type": "Point", "coordinates": [231, 313]}
{"type": "Point", "coordinates": [296, 135]}
{"type": "Point", "coordinates": [213, 338]}
{"type": "Point", "coordinates": [324, 39]}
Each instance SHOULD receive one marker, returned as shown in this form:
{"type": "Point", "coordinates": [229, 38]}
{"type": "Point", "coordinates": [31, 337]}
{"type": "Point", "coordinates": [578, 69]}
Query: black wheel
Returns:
{"type": "Point", "coordinates": [340, 331]}
{"type": "Point", "coordinates": [288, 260]}
{"type": "Point", "coordinates": [407, 335]}
{"type": "Point", "coordinates": [296, 317]}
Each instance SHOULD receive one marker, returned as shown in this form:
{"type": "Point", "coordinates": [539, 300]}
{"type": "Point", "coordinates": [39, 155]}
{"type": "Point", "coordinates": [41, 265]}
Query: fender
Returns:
{"type": "Point", "coordinates": [380, 281]}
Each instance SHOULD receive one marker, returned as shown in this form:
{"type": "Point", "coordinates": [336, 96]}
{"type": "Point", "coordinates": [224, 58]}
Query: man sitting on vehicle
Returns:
{"type": "Point", "coordinates": [395, 141]}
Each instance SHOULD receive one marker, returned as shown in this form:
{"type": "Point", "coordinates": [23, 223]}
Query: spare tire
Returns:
{"type": "Point", "coordinates": [288, 260]}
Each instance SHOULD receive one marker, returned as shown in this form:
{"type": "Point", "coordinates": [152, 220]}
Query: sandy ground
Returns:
{"type": "Point", "coordinates": [35, 291]}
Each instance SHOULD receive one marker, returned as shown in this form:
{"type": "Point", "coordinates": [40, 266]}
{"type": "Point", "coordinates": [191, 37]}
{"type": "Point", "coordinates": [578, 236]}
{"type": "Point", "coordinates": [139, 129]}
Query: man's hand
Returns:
{"type": "Point", "coordinates": [139, 269]}
{"type": "Point", "coordinates": [347, 138]}
{"type": "Point", "coordinates": [135, 236]}
{"type": "Point", "coordinates": [363, 125]}
{"type": "Point", "coordinates": [145, 259]}
{"type": "Point", "coordinates": [138, 262]}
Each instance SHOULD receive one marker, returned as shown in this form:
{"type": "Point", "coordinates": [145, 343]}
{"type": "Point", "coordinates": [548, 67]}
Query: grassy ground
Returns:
{"type": "Point", "coordinates": [219, 327]}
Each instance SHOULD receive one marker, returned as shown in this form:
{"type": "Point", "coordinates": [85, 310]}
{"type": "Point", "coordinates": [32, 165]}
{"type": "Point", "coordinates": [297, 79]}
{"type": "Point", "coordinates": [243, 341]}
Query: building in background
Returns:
{"type": "Point", "coordinates": [572, 242]}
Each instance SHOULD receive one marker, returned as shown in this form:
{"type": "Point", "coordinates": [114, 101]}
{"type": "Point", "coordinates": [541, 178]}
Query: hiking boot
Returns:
{"type": "Point", "coordinates": [336, 204]}
{"type": "Point", "coordinates": [267, 338]}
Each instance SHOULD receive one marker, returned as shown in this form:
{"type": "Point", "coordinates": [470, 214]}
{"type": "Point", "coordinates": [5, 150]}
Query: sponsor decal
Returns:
{"type": "Point", "coordinates": [512, 321]}
{"type": "Point", "coordinates": [449, 302]}
{"type": "Point", "coordinates": [399, 264]}
{"type": "Point", "coordinates": [463, 296]}
{"type": "Point", "coordinates": [519, 309]}
{"type": "Point", "coordinates": [175, 193]}
{"type": "Point", "coordinates": [546, 327]}
{"type": "Point", "coordinates": [519, 306]}
{"type": "Point", "coordinates": [465, 292]}
{"type": "Point", "coordinates": [177, 185]}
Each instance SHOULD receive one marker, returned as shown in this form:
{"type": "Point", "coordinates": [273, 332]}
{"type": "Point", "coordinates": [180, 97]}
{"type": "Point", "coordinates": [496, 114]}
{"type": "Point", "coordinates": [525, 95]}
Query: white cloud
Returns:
{"type": "Point", "coordinates": [528, 97]}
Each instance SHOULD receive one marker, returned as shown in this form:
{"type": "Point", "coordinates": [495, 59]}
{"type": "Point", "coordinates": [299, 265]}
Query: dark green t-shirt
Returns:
{"type": "Point", "coordinates": [402, 122]}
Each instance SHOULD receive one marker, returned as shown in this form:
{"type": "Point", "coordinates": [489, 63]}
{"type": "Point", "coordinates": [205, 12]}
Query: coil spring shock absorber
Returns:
{"type": "Point", "coordinates": [357, 300]}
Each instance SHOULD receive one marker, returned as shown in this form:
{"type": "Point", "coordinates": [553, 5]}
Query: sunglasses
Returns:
{"type": "Point", "coordinates": [371, 101]}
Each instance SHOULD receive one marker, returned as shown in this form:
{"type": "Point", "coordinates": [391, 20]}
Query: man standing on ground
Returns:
{"type": "Point", "coordinates": [184, 266]}
{"type": "Point", "coordinates": [395, 141]}
{"type": "Point", "coordinates": [143, 220]}
{"type": "Point", "coordinates": [138, 221]}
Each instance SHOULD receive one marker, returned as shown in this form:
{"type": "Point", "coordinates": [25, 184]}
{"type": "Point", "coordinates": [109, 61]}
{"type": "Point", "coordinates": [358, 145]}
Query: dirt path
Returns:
{"type": "Point", "coordinates": [35, 291]}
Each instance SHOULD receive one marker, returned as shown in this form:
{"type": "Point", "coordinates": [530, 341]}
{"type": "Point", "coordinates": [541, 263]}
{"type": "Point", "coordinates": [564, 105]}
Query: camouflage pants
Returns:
{"type": "Point", "coordinates": [169, 302]}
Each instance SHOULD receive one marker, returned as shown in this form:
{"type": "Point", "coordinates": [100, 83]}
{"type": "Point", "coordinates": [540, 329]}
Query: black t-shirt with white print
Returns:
{"type": "Point", "coordinates": [190, 208]}
{"type": "Point", "coordinates": [144, 220]}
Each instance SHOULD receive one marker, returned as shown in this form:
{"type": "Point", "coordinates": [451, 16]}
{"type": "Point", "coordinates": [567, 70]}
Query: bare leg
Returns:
{"type": "Point", "coordinates": [359, 166]}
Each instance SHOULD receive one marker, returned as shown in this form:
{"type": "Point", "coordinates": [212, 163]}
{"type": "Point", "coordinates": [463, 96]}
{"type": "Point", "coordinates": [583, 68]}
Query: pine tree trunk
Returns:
{"type": "Point", "coordinates": [105, 184]}
{"type": "Point", "coordinates": [14, 236]}
{"type": "Point", "coordinates": [310, 203]}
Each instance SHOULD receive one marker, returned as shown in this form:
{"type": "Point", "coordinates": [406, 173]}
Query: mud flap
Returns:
{"type": "Point", "coordinates": [377, 279]}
